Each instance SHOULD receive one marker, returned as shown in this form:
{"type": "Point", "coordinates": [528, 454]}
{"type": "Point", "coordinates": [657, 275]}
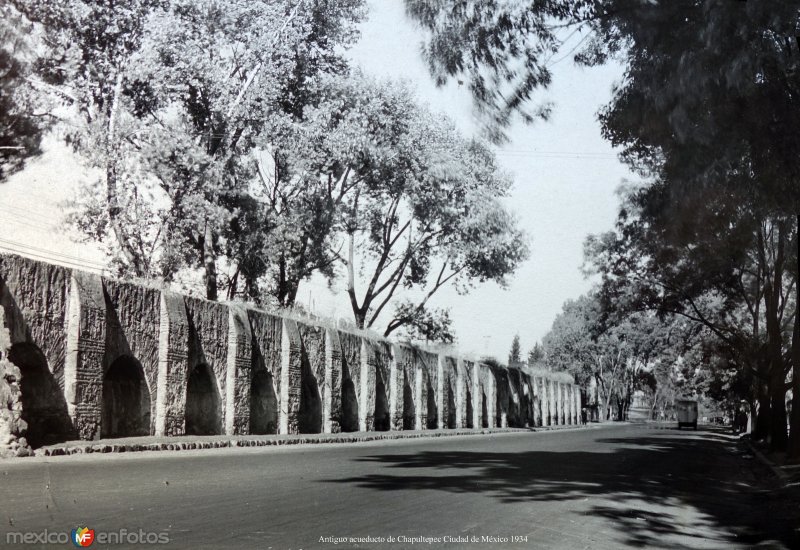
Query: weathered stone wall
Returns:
{"type": "Point", "coordinates": [407, 402]}
{"type": "Point", "coordinates": [266, 389]}
{"type": "Point", "coordinates": [471, 407]}
{"type": "Point", "coordinates": [173, 361]}
{"type": "Point", "coordinates": [351, 381]}
{"type": "Point", "coordinates": [448, 392]}
{"type": "Point", "coordinates": [88, 357]}
{"type": "Point", "coordinates": [309, 370]}
{"type": "Point", "coordinates": [487, 396]}
{"type": "Point", "coordinates": [207, 409]}
{"type": "Point", "coordinates": [428, 376]}
{"type": "Point", "coordinates": [332, 408]}
{"type": "Point", "coordinates": [133, 316]}
{"type": "Point", "coordinates": [383, 390]}
{"type": "Point", "coordinates": [33, 320]}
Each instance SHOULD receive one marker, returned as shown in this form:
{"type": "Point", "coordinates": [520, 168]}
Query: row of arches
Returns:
{"type": "Point", "coordinates": [127, 406]}
{"type": "Point", "coordinates": [126, 402]}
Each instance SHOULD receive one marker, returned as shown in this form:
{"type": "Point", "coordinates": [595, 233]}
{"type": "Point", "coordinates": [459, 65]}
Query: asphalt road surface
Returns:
{"type": "Point", "coordinates": [605, 487]}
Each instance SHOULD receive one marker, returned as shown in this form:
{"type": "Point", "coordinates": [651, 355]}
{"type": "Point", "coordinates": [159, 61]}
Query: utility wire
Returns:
{"type": "Point", "coordinates": [51, 255]}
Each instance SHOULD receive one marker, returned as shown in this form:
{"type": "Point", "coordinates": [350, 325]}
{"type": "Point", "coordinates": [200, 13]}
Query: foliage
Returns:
{"type": "Point", "coordinates": [428, 325]}
{"type": "Point", "coordinates": [536, 355]}
{"type": "Point", "coordinates": [708, 110]}
{"type": "Point", "coordinates": [501, 49]}
{"type": "Point", "coordinates": [177, 98]}
{"type": "Point", "coordinates": [22, 120]}
{"type": "Point", "coordinates": [515, 355]}
{"type": "Point", "coordinates": [419, 206]}
{"type": "Point", "coordinates": [636, 352]}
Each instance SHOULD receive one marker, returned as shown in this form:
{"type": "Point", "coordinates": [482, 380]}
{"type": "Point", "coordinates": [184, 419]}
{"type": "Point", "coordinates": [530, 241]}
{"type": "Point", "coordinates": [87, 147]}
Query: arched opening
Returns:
{"type": "Point", "coordinates": [203, 407]}
{"type": "Point", "coordinates": [470, 410]}
{"type": "Point", "coordinates": [513, 416]}
{"type": "Point", "coordinates": [408, 407]}
{"type": "Point", "coordinates": [381, 405]}
{"type": "Point", "coordinates": [349, 406]}
{"type": "Point", "coordinates": [433, 418]}
{"type": "Point", "coordinates": [126, 400]}
{"type": "Point", "coordinates": [530, 421]}
{"type": "Point", "coordinates": [451, 407]}
{"type": "Point", "coordinates": [484, 412]}
{"type": "Point", "coordinates": [310, 414]}
{"type": "Point", "coordinates": [44, 408]}
{"type": "Point", "coordinates": [263, 404]}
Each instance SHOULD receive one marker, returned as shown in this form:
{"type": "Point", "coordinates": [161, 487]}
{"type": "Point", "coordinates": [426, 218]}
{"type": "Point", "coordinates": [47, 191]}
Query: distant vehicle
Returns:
{"type": "Point", "coordinates": [687, 413]}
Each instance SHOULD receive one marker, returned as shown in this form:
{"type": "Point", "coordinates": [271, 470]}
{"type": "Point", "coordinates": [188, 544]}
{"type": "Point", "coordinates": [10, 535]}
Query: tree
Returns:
{"type": "Point", "coordinates": [732, 65]}
{"type": "Point", "coordinates": [713, 266]}
{"type": "Point", "coordinates": [572, 345]}
{"type": "Point", "coordinates": [238, 98]}
{"type": "Point", "coordinates": [515, 355]}
{"type": "Point", "coordinates": [22, 115]}
{"type": "Point", "coordinates": [426, 325]}
{"type": "Point", "coordinates": [177, 98]}
{"type": "Point", "coordinates": [419, 206]}
{"type": "Point", "coordinates": [619, 353]}
{"type": "Point", "coordinates": [744, 59]}
{"type": "Point", "coordinates": [536, 355]}
{"type": "Point", "coordinates": [89, 51]}
{"type": "Point", "coordinates": [501, 49]}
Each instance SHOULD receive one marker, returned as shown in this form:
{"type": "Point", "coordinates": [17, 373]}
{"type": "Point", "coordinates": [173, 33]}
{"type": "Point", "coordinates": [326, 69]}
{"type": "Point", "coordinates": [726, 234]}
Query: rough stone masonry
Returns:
{"type": "Point", "coordinates": [86, 357]}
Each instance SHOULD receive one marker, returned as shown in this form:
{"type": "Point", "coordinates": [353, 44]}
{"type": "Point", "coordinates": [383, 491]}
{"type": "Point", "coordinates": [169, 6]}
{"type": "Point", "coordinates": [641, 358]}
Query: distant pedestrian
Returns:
{"type": "Point", "coordinates": [583, 415]}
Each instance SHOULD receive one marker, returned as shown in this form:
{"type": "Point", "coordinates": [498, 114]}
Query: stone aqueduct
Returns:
{"type": "Point", "coordinates": [88, 357]}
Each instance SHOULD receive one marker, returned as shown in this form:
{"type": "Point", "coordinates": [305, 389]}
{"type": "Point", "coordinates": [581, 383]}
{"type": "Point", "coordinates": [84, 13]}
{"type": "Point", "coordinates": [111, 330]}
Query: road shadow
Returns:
{"type": "Point", "coordinates": [658, 490]}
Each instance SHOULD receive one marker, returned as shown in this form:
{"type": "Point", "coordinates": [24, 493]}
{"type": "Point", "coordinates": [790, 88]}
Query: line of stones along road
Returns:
{"type": "Point", "coordinates": [135, 444]}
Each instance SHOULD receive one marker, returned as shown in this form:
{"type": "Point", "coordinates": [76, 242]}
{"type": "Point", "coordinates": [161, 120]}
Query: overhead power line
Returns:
{"type": "Point", "coordinates": [50, 255]}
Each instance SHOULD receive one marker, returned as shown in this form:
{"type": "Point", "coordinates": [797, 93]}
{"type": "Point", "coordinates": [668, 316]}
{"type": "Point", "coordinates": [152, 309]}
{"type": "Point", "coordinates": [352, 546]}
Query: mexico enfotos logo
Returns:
{"type": "Point", "coordinates": [83, 537]}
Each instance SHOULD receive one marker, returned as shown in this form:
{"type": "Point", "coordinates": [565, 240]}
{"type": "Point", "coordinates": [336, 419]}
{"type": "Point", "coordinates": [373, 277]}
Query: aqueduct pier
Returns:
{"type": "Point", "coordinates": [87, 357]}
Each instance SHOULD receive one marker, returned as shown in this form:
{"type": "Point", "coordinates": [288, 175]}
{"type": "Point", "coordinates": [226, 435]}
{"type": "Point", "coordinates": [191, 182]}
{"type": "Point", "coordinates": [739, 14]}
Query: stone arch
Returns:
{"type": "Point", "coordinates": [263, 403]}
{"type": "Point", "coordinates": [44, 407]}
{"type": "Point", "coordinates": [349, 406]}
{"type": "Point", "coordinates": [513, 415]}
{"type": "Point", "coordinates": [381, 417]}
{"type": "Point", "coordinates": [451, 405]}
{"type": "Point", "coordinates": [498, 408]}
{"type": "Point", "coordinates": [309, 419]}
{"type": "Point", "coordinates": [470, 411]}
{"type": "Point", "coordinates": [126, 399]}
{"type": "Point", "coordinates": [433, 417]}
{"type": "Point", "coordinates": [409, 410]}
{"type": "Point", "coordinates": [484, 411]}
{"type": "Point", "coordinates": [203, 404]}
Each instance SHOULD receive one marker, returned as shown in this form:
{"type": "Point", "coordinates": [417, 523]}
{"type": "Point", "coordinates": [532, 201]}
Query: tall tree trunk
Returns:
{"type": "Point", "coordinates": [359, 312]}
{"type": "Point", "coordinates": [280, 292]}
{"type": "Point", "coordinates": [291, 292]}
{"type": "Point", "coordinates": [778, 440]}
{"type": "Point", "coordinates": [113, 208]}
{"type": "Point", "coordinates": [114, 211]}
{"type": "Point", "coordinates": [210, 264]}
{"type": "Point", "coordinates": [762, 422]}
{"type": "Point", "coordinates": [233, 287]}
{"type": "Point", "coordinates": [794, 422]}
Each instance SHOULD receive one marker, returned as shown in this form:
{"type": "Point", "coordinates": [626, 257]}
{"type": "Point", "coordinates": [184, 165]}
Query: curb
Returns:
{"type": "Point", "coordinates": [178, 445]}
{"type": "Point", "coordinates": [780, 474]}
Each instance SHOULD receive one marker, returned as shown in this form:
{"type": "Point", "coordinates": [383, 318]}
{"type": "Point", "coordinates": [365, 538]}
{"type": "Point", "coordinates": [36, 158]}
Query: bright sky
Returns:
{"type": "Point", "coordinates": [565, 178]}
{"type": "Point", "coordinates": [565, 181]}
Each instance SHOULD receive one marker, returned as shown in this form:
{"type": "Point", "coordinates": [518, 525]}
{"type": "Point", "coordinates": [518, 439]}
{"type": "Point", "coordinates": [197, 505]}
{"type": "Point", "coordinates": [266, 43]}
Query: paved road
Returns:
{"type": "Point", "coordinates": [610, 487]}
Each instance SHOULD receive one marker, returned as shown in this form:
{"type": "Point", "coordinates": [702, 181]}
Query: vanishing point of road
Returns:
{"type": "Point", "coordinates": [623, 486]}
